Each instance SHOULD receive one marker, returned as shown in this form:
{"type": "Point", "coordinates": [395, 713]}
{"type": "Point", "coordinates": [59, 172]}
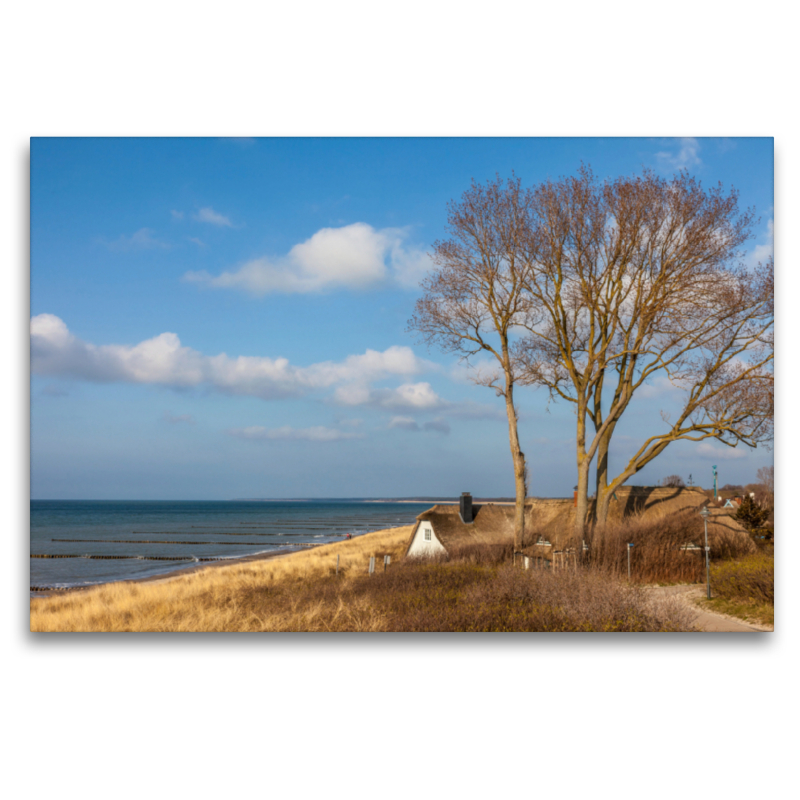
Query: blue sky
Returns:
{"type": "Point", "coordinates": [220, 318]}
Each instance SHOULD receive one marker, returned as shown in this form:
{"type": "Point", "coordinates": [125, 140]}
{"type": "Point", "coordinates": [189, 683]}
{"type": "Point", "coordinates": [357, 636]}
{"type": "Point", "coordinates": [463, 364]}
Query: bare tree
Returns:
{"type": "Point", "coordinates": [634, 278]}
{"type": "Point", "coordinates": [766, 477]}
{"type": "Point", "coordinates": [473, 298]}
{"type": "Point", "coordinates": [674, 481]}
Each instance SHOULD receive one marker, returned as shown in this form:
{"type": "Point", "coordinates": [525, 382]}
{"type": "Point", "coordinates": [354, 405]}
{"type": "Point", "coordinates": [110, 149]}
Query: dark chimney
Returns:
{"type": "Point", "coordinates": [465, 507]}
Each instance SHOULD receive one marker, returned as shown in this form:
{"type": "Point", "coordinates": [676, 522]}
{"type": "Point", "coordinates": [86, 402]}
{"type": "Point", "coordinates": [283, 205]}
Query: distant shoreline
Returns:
{"type": "Point", "coordinates": [418, 500]}
{"type": "Point", "coordinates": [173, 573]}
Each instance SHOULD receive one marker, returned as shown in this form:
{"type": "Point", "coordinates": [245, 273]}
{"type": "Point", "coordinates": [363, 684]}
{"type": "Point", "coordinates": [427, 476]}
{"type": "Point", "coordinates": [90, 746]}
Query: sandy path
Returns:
{"type": "Point", "coordinates": [707, 620]}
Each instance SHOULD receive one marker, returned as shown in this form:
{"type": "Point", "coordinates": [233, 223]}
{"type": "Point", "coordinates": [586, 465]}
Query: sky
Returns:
{"type": "Point", "coordinates": [228, 318]}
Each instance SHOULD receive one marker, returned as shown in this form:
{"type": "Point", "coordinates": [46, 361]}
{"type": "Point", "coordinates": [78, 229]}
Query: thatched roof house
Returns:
{"type": "Point", "coordinates": [441, 528]}
{"type": "Point", "coordinates": [549, 522]}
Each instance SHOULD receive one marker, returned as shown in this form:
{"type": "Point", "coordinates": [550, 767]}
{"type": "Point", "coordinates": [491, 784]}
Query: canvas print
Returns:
{"type": "Point", "coordinates": [402, 385]}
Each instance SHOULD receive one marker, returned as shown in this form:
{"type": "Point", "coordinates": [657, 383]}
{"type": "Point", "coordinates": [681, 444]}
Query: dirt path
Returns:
{"type": "Point", "coordinates": [707, 620]}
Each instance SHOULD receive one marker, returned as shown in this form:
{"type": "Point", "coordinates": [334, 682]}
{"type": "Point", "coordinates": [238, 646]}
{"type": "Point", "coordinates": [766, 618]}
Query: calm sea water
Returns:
{"type": "Point", "coordinates": [158, 537]}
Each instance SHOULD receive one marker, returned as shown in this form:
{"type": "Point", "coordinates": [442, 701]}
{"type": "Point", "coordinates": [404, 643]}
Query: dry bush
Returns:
{"type": "Point", "coordinates": [657, 555]}
{"type": "Point", "coordinates": [749, 579]}
{"type": "Point", "coordinates": [464, 596]}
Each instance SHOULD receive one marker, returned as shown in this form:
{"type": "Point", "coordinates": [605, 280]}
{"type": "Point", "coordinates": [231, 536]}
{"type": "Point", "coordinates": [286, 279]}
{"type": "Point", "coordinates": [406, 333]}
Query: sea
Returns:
{"type": "Point", "coordinates": [84, 542]}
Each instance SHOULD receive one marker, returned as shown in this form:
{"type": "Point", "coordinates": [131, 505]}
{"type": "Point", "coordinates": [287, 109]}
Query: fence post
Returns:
{"type": "Point", "coordinates": [630, 544]}
{"type": "Point", "coordinates": [386, 561]}
{"type": "Point", "coordinates": [371, 564]}
{"type": "Point", "coordinates": [337, 564]}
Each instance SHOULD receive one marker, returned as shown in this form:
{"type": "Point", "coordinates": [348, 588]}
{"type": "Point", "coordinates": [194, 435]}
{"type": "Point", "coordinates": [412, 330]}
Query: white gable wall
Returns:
{"type": "Point", "coordinates": [420, 546]}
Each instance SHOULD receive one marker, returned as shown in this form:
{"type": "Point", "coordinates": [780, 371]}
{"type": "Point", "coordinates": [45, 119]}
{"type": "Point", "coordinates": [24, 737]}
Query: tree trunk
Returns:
{"type": "Point", "coordinates": [602, 461]}
{"type": "Point", "coordinates": [603, 493]}
{"type": "Point", "coordinates": [584, 462]}
{"type": "Point", "coordinates": [582, 508]}
{"type": "Point", "coordinates": [519, 467]}
{"type": "Point", "coordinates": [603, 504]}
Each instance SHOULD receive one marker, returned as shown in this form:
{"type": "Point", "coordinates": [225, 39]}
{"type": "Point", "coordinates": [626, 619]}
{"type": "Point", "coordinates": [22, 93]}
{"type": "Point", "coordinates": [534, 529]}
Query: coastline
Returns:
{"type": "Point", "coordinates": [163, 577]}
{"type": "Point", "coordinates": [173, 574]}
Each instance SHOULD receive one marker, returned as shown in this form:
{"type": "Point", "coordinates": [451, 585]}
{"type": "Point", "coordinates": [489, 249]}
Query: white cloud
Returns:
{"type": "Point", "coordinates": [318, 433]}
{"type": "Point", "coordinates": [409, 396]}
{"type": "Point", "coordinates": [196, 241]}
{"type": "Point", "coordinates": [355, 256]}
{"type": "Point", "coordinates": [413, 398]}
{"type": "Point", "coordinates": [687, 155]}
{"type": "Point", "coordinates": [176, 215]}
{"type": "Point", "coordinates": [163, 360]}
{"type": "Point", "coordinates": [143, 239]}
{"type": "Point", "coordinates": [763, 251]}
{"type": "Point", "coordinates": [209, 215]}
{"type": "Point", "coordinates": [719, 452]}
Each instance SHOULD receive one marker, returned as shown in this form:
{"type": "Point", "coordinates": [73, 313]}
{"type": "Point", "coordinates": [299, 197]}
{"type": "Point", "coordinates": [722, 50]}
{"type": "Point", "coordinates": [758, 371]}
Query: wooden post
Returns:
{"type": "Point", "coordinates": [371, 565]}
{"type": "Point", "coordinates": [386, 561]}
{"type": "Point", "coordinates": [337, 564]}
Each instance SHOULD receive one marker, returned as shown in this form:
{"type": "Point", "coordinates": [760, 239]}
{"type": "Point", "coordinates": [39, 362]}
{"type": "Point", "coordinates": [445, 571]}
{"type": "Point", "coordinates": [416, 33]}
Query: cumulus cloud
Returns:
{"type": "Point", "coordinates": [318, 433]}
{"type": "Point", "coordinates": [685, 157]}
{"type": "Point", "coordinates": [413, 398]}
{"type": "Point", "coordinates": [409, 396]}
{"type": "Point", "coordinates": [143, 239]}
{"type": "Point", "coordinates": [163, 360]}
{"type": "Point", "coordinates": [355, 256]}
{"type": "Point", "coordinates": [213, 218]}
{"type": "Point", "coordinates": [177, 418]}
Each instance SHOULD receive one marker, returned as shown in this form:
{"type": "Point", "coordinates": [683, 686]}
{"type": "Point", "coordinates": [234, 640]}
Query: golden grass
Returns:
{"type": "Point", "coordinates": [748, 611]}
{"type": "Point", "coordinates": [228, 598]}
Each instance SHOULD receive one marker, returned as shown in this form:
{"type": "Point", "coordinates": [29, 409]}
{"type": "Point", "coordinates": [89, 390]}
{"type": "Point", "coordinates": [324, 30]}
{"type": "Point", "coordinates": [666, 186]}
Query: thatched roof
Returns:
{"type": "Point", "coordinates": [553, 519]}
{"type": "Point", "coordinates": [492, 524]}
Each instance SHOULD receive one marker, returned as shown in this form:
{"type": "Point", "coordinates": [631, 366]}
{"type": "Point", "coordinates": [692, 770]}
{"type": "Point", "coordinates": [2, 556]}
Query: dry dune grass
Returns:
{"type": "Point", "coordinates": [473, 590]}
{"type": "Point", "coordinates": [236, 597]}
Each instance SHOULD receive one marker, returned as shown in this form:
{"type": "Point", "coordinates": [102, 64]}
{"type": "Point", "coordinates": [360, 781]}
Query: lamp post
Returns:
{"type": "Point", "coordinates": [705, 514]}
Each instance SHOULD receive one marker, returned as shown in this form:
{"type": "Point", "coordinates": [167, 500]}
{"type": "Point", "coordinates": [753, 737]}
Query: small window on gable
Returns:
{"type": "Point", "coordinates": [428, 534]}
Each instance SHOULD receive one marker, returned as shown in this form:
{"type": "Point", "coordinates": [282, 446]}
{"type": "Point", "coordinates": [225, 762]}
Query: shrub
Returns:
{"type": "Point", "coordinates": [659, 552]}
{"type": "Point", "coordinates": [751, 515]}
{"type": "Point", "coordinates": [463, 596]}
{"type": "Point", "coordinates": [749, 579]}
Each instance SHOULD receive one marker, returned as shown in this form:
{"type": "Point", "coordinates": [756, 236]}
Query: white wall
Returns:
{"type": "Point", "coordinates": [421, 547]}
